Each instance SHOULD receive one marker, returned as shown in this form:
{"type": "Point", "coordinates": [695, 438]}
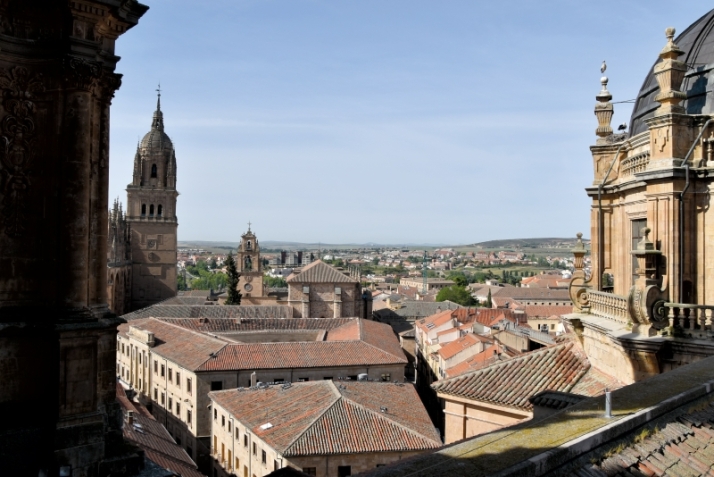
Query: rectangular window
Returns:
{"type": "Point", "coordinates": [163, 398]}
{"type": "Point", "coordinates": [216, 385]}
{"type": "Point", "coordinates": [245, 440]}
{"type": "Point", "coordinates": [385, 377]}
{"type": "Point", "coordinates": [188, 385]}
{"type": "Point", "coordinates": [309, 470]}
{"type": "Point", "coordinates": [178, 409]}
{"type": "Point", "coordinates": [344, 470]}
{"type": "Point", "coordinates": [230, 429]}
{"type": "Point", "coordinates": [156, 367]}
{"type": "Point", "coordinates": [156, 394]}
{"type": "Point", "coordinates": [237, 433]}
{"type": "Point", "coordinates": [188, 416]}
{"type": "Point", "coordinates": [237, 463]}
{"type": "Point", "coordinates": [255, 449]}
{"type": "Point", "coordinates": [263, 457]}
{"type": "Point", "coordinates": [637, 235]}
{"type": "Point", "coordinates": [163, 370]}
{"type": "Point", "coordinates": [171, 402]}
{"type": "Point", "coordinates": [178, 379]}
{"type": "Point", "coordinates": [223, 421]}
{"type": "Point", "coordinates": [215, 414]}
{"type": "Point", "coordinates": [139, 359]}
{"type": "Point", "coordinates": [171, 374]}
{"type": "Point", "coordinates": [275, 465]}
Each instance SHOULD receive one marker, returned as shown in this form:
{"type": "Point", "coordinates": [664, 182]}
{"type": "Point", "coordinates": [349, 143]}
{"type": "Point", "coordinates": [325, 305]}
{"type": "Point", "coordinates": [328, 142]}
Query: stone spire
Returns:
{"type": "Point", "coordinates": [137, 165]}
{"type": "Point", "coordinates": [158, 121]}
{"type": "Point", "coordinates": [603, 111]}
{"type": "Point", "coordinates": [670, 73]}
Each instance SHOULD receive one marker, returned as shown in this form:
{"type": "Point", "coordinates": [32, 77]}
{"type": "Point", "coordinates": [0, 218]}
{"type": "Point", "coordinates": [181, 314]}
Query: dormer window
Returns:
{"type": "Point", "coordinates": [153, 170]}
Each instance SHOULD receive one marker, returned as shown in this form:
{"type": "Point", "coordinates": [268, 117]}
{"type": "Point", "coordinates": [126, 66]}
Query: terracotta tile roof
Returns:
{"type": "Point", "coordinates": [435, 320]}
{"type": "Point", "coordinates": [161, 310]}
{"type": "Point", "coordinates": [510, 383]}
{"type": "Point", "coordinates": [348, 331]}
{"type": "Point", "coordinates": [487, 357]}
{"type": "Point", "coordinates": [187, 348]}
{"type": "Point", "coordinates": [491, 316]}
{"type": "Point", "coordinates": [452, 349]}
{"type": "Point", "coordinates": [320, 272]}
{"type": "Point", "coordinates": [682, 447]}
{"type": "Point", "coordinates": [217, 325]}
{"type": "Point", "coordinates": [417, 310]}
{"type": "Point", "coordinates": [546, 311]}
{"type": "Point", "coordinates": [306, 354]}
{"type": "Point", "coordinates": [525, 293]}
{"type": "Point", "coordinates": [324, 417]}
{"type": "Point", "coordinates": [154, 439]}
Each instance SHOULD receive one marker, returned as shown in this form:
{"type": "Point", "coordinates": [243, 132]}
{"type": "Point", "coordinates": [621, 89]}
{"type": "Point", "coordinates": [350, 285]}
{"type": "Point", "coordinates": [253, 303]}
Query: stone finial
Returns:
{"type": "Point", "coordinates": [579, 252]}
{"type": "Point", "coordinates": [670, 73]}
{"type": "Point", "coordinates": [603, 111]}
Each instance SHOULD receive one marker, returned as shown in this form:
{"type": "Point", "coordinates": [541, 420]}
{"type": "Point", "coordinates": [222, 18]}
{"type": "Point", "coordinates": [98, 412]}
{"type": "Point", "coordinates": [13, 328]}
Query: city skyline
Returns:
{"type": "Point", "coordinates": [372, 122]}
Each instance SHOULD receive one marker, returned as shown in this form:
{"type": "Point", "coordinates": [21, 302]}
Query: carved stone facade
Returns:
{"type": "Point", "coordinates": [57, 337]}
{"type": "Point", "coordinates": [119, 264]}
{"type": "Point", "coordinates": [151, 214]}
{"type": "Point", "coordinates": [250, 266]}
{"type": "Point", "coordinates": [650, 224]}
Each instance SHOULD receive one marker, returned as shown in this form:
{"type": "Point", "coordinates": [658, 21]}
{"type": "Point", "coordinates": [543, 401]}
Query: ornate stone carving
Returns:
{"type": "Point", "coordinates": [603, 111]}
{"type": "Point", "coordinates": [669, 74]}
{"type": "Point", "coordinates": [646, 298]}
{"type": "Point", "coordinates": [16, 145]}
{"type": "Point", "coordinates": [580, 284]}
{"type": "Point", "coordinates": [81, 74]}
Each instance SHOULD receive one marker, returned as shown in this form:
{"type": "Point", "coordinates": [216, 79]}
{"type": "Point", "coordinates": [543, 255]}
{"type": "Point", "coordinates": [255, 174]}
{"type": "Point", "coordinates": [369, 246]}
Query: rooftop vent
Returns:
{"type": "Point", "coordinates": [383, 409]}
{"type": "Point", "coordinates": [265, 426]}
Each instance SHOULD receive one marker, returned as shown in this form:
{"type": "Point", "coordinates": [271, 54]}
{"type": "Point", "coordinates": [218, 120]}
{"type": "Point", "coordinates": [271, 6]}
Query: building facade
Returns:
{"type": "Point", "coordinates": [119, 265]}
{"type": "Point", "coordinates": [647, 305]}
{"type": "Point", "coordinates": [57, 337]}
{"type": "Point", "coordinates": [151, 215]}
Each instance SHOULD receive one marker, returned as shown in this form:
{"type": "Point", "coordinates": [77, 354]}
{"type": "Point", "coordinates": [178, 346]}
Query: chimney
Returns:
{"type": "Point", "coordinates": [253, 379]}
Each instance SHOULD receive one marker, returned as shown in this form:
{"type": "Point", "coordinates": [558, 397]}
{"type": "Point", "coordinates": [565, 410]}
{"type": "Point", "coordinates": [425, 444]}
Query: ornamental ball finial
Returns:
{"type": "Point", "coordinates": [669, 33]}
{"type": "Point", "coordinates": [579, 235]}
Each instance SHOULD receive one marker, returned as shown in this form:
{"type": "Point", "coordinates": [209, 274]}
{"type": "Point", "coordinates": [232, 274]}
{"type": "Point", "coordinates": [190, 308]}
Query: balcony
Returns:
{"type": "Point", "coordinates": [609, 305]}
{"type": "Point", "coordinates": [690, 320]}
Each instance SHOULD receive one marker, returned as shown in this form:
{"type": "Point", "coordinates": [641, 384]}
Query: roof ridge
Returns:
{"type": "Point", "coordinates": [188, 330]}
{"type": "Point", "coordinates": [385, 416]}
{"type": "Point", "coordinates": [532, 354]}
{"type": "Point", "coordinates": [338, 398]}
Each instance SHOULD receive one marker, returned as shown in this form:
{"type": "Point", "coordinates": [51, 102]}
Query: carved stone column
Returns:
{"type": "Point", "coordinates": [580, 284]}
{"type": "Point", "coordinates": [645, 293]}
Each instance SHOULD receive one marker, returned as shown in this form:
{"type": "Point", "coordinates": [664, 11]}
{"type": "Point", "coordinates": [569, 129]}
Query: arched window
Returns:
{"type": "Point", "coordinates": [160, 210]}
{"type": "Point", "coordinates": [143, 209]}
{"type": "Point", "coordinates": [153, 170]}
{"type": "Point", "coordinates": [151, 209]}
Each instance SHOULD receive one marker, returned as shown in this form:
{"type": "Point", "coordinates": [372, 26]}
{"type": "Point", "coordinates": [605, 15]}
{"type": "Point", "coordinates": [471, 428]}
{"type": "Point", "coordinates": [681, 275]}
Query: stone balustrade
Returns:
{"type": "Point", "coordinates": [695, 319]}
{"type": "Point", "coordinates": [609, 305]}
{"type": "Point", "coordinates": [635, 164]}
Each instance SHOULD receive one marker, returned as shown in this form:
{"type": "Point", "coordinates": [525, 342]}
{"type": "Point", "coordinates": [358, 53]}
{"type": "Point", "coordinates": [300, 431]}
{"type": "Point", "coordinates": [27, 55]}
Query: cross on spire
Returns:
{"type": "Point", "coordinates": [158, 101]}
{"type": "Point", "coordinates": [249, 226]}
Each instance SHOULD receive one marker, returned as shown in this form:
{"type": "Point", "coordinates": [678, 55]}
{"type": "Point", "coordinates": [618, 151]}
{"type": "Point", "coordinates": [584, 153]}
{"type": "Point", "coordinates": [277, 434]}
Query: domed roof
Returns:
{"type": "Point", "coordinates": [697, 42]}
{"type": "Point", "coordinates": [156, 139]}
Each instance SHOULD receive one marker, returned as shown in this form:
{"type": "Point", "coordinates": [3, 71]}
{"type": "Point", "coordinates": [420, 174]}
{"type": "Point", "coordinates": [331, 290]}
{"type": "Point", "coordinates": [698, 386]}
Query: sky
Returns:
{"type": "Point", "coordinates": [394, 122]}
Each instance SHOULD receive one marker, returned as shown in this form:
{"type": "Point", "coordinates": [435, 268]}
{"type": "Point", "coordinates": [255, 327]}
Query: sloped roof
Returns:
{"type": "Point", "coordinates": [154, 439]}
{"type": "Point", "coordinates": [416, 309]}
{"type": "Point", "coordinates": [161, 310]}
{"type": "Point", "coordinates": [455, 347]}
{"type": "Point", "coordinates": [324, 418]}
{"type": "Point", "coordinates": [217, 325]}
{"type": "Point", "coordinates": [546, 311]}
{"type": "Point", "coordinates": [187, 348]}
{"type": "Point", "coordinates": [510, 383]}
{"type": "Point", "coordinates": [320, 272]}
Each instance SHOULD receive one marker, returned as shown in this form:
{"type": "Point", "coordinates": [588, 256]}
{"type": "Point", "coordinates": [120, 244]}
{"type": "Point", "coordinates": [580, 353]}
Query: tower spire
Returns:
{"type": "Point", "coordinates": [158, 121]}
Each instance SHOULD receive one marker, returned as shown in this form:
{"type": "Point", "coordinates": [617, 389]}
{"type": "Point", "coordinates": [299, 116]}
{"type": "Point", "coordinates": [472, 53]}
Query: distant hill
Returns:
{"type": "Point", "coordinates": [547, 242]}
{"type": "Point", "coordinates": [275, 244]}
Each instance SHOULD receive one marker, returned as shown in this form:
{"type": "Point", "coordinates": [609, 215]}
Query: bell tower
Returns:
{"type": "Point", "coordinates": [249, 266]}
{"type": "Point", "coordinates": [151, 213]}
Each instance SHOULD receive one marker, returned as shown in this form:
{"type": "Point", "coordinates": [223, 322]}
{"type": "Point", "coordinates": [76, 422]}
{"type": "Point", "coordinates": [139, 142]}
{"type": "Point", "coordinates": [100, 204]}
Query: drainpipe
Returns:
{"type": "Point", "coordinates": [685, 164]}
{"type": "Point", "coordinates": [600, 223]}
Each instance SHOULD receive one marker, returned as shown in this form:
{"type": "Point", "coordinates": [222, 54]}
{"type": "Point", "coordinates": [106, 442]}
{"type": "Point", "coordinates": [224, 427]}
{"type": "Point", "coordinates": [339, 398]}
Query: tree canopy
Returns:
{"type": "Point", "coordinates": [457, 294]}
{"type": "Point", "coordinates": [234, 295]}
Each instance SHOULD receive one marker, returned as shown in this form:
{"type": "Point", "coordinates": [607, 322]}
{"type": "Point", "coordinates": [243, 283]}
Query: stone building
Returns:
{"type": "Point", "coordinates": [172, 363]}
{"type": "Point", "coordinates": [119, 265]}
{"type": "Point", "coordinates": [57, 337]}
{"type": "Point", "coordinates": [651, 220]}
{"type": "Point", "coordinates": [321, 291]}
{"type": "Point", "coordinates": [151, 215]}
{"type": "Point", "coordinates": [322, 428]}
{"type": "Point", "coordinates": [250, 266]}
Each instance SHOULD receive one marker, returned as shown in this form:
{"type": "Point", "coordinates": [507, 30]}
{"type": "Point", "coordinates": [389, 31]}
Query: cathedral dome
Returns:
{"type": "Point", "coordinates": [156, 139]}
{"type": "Point", "coordinates": [697, 42]}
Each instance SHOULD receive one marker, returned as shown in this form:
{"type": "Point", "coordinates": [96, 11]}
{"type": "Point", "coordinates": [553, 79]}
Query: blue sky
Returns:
{"type": "Point", "coordinates": [382, 121]}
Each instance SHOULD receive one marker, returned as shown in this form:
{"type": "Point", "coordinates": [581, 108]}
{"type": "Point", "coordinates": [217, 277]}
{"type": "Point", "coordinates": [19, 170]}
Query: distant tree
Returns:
{"type": "Point", "coordinates": [212, 264]}
{"type": "Point", "coordinates": [458, 278]}
{"type": "Point", "coordinates": [234, 295]}
{"type": "Point", "coordinates": [275, 282]}
{"type": "Point", "coordinates": [375, 261]}
{"type": "Point", "coordinates": [181, 282]}
{"type": "Point", "coordinates": [456, 294]}
{"type": "Point", "coordinates": [489, 302]}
